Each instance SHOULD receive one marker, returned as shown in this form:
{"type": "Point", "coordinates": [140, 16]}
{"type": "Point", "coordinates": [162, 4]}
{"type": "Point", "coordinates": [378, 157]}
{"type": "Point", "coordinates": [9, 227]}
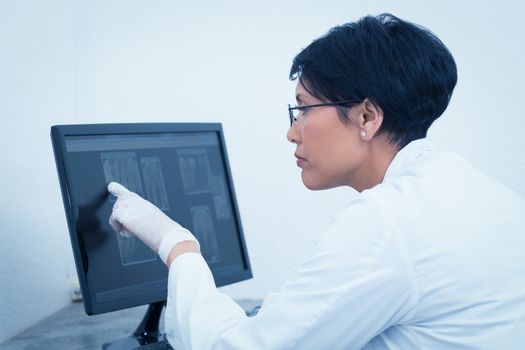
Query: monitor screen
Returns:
{"type": "Point", "coordinates": [181, 168]}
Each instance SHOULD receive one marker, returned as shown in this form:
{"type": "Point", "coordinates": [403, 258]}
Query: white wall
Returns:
{"type": "Point", "coordinates": [37, 83]}
{"type": "Point", "coordinates": [90, 61]}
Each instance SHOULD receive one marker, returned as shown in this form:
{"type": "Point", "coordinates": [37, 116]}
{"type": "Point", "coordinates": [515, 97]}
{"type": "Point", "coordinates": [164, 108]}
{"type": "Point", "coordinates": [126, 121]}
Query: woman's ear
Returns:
{"type": "Point", "coordinates": [370, 120]}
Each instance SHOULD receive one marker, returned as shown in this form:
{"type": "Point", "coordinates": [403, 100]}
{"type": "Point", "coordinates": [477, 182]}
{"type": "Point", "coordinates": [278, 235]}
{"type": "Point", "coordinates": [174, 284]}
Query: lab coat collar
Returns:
{"type": "Point", "coordinates": [407, 155]}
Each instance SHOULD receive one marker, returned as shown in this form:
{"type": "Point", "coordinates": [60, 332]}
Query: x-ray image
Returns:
{"type": "Point", "coordinates": [154, 182]}
{"type": "Point", "coordinates": [205, 233]}
{"type": "Point", "coordinates": [122, 167]}
{"type": "Point", "coordinates": [221, 207]}
{"type": "Point", "coordinates": [133, 251]}
{"type": "Point", "coordinates": [195, 170]}
{"type": "Point", "coordinates": [218, 190]}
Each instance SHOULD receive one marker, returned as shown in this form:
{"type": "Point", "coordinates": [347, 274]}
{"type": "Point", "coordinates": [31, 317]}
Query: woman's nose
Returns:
{"type": "Point", "coordinates": [292, 135]}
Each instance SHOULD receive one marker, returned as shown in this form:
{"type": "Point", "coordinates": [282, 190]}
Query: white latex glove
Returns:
{"type": "Point", "coordinates": [134, 215]}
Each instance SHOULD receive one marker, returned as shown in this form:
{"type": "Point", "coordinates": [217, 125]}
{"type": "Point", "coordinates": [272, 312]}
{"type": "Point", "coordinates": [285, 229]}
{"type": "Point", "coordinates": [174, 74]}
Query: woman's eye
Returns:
{"type": "Point", "coordinates": [302, 109]}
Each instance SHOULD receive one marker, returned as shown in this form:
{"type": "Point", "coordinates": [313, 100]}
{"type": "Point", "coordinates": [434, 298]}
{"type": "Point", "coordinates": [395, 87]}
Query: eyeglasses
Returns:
{"type": "Point", "coordinates": [295, 111]}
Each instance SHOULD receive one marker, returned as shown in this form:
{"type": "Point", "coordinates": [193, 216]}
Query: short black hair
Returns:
{"type": "Point", "coordinates": [401, 67]}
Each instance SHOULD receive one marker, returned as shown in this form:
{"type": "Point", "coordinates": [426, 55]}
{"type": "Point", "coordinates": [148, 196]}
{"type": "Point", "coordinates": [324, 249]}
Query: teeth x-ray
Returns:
{"type": "Point", "coordinates": [205, 233]}
{"type": "Point", "coordinates": [133, 251]}
{"type": "Point", "coordinates": [195, 170]}
{"type": "Point", "coordinates": [154, 182]}
{"type": "Point", "coordinates": [122, 167]}
{"type": "Point", "coordinates": [218, 190]}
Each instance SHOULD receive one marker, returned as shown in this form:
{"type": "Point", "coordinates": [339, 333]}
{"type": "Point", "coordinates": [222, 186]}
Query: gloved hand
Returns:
{"type": "Point", "coordinates": [134, 215]}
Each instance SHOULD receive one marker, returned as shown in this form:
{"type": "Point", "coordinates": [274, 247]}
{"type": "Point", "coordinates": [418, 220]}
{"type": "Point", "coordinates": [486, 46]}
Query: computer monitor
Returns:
{"type": "Point", "coordinates": [182, 168]}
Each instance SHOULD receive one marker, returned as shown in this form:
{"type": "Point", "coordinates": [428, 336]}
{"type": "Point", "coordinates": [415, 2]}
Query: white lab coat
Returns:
{"type": "Point", "coordinates": [432, 258]}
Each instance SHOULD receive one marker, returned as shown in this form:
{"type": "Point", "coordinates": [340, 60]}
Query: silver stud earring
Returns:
{"type": "Point", "coordinates": [363, 133]}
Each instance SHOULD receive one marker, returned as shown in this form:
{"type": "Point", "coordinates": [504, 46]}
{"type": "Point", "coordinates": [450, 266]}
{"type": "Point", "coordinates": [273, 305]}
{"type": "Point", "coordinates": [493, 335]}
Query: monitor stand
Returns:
{"type": "Point", "coordinates": [146, 333]}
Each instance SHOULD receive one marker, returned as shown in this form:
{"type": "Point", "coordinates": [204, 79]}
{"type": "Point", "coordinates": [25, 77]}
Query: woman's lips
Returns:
{"type": "Point", "coordinates": [300, 160]}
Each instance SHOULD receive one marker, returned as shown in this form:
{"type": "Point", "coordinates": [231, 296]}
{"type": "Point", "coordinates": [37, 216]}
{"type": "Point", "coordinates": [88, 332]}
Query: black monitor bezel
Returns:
{"type": "Point", "coordinates": [58, 135]}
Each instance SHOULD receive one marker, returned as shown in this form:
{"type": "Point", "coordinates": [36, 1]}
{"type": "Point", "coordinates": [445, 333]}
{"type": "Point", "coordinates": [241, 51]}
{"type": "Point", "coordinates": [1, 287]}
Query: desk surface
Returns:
{"type": "Point", "coordinates": [71, 328]}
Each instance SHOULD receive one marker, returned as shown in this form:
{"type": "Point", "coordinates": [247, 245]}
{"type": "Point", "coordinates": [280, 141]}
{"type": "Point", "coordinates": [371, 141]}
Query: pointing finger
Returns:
{"type": "Point", "coordinates": [117, 189]}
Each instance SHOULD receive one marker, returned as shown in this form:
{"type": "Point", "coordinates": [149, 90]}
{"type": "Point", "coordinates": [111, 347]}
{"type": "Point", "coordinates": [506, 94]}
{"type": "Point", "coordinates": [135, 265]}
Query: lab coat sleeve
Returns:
{"type": "Point", "coordinates": [358, 282]}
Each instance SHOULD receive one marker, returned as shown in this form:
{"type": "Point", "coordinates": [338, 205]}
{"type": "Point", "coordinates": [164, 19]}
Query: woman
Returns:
{"type": "Point", "coordinates": [430, 255]}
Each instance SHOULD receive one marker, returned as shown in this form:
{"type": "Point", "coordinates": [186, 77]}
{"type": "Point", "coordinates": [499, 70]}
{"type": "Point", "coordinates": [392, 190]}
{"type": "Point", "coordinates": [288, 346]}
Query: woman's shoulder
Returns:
{"type": "Point", "coordinates": [436, 185]}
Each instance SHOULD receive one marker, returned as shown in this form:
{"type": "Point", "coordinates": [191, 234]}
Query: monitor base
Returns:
{"type": "Point", "coordinates": [146, 333]}
{"type": "Point", "coordinates": [133, 342]}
